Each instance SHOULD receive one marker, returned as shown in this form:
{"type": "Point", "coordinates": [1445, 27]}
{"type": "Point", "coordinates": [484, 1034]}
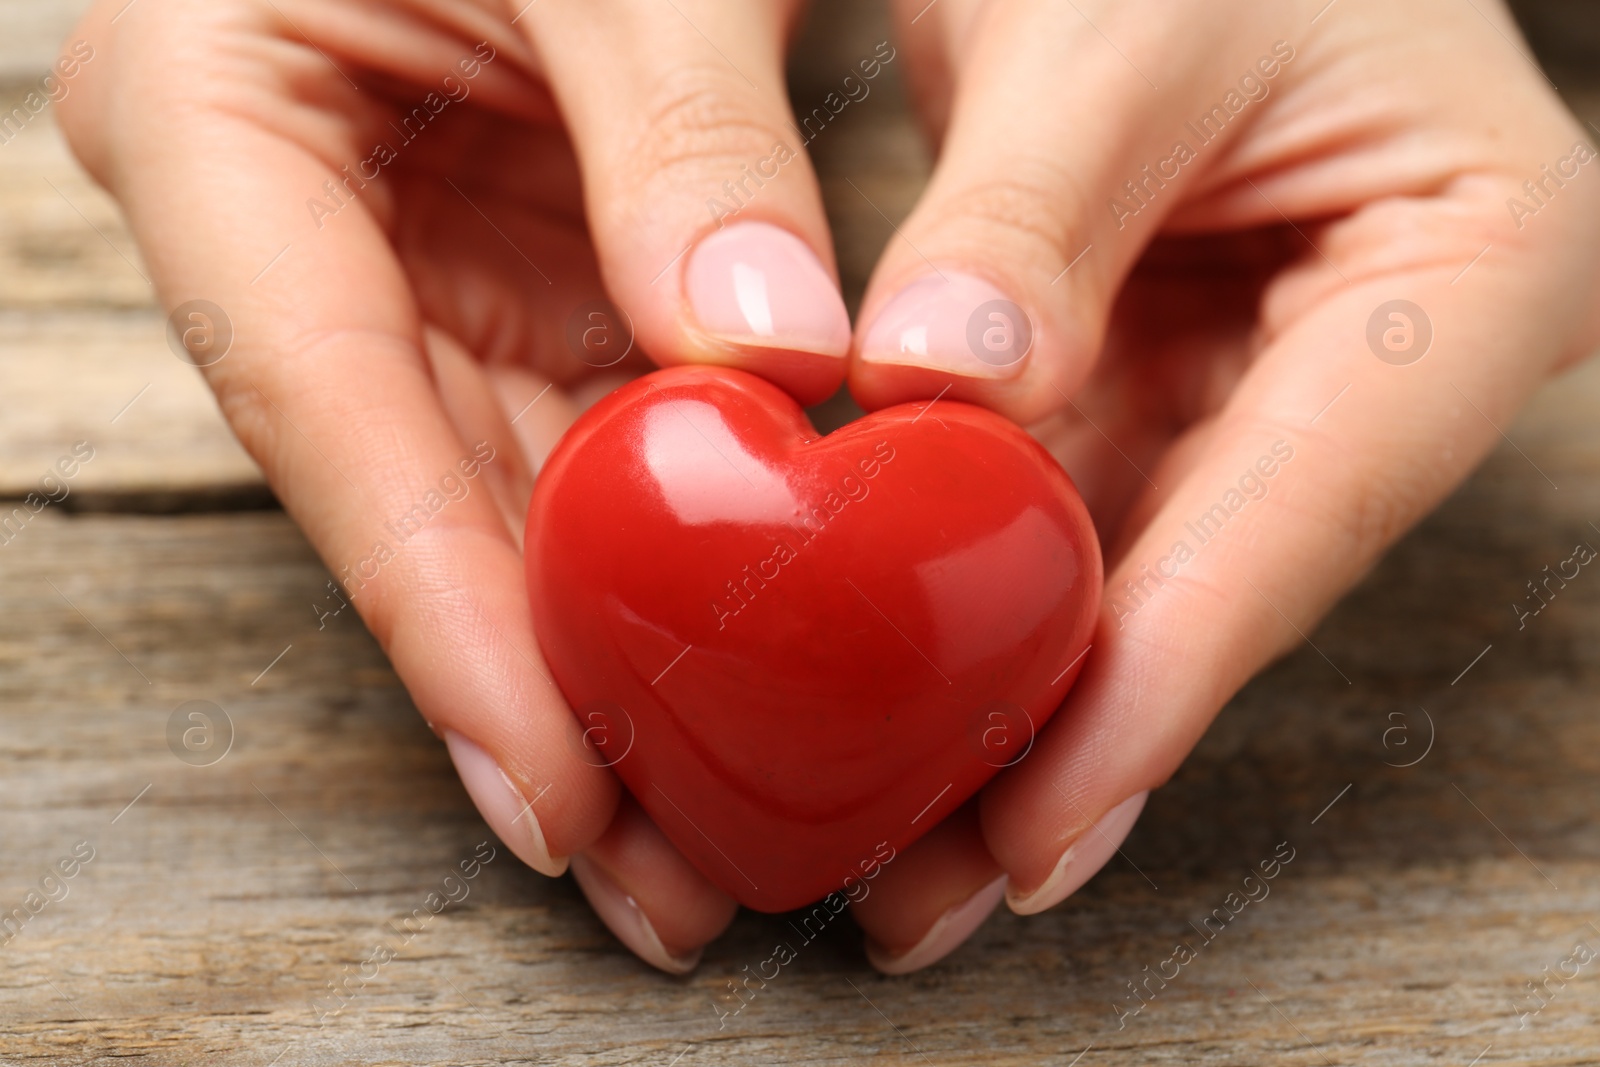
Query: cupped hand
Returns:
{"type": "Point", "coordinates": [1172, 236]}
{"type": "Point", "coordinates": [411, 213]}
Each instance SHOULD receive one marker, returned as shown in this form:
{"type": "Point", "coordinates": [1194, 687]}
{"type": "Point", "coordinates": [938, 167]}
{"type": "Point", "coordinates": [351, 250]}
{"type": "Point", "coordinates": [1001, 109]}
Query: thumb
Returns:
{"type": "Point", "coordinates": [703, 207]}
{"type": "Point", "coordinates": [1059, 163]}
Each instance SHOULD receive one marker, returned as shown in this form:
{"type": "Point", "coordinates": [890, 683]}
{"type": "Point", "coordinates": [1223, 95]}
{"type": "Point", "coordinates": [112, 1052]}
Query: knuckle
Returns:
{"type": "Point", "coordinates": [1344, 508]}
{"type": "Point", "coordinates": [256, 389]}
{"type": "Point", "coordinates": [1367, 503]}
{"type": "Point", "coordinates": [697, 131]}
{"type": "Point", "coordinates": [1378, 509]}
{"type": "Point", "coordinates": [1034, 213]}
{"type": "Point", "coordinates": [247, 412]}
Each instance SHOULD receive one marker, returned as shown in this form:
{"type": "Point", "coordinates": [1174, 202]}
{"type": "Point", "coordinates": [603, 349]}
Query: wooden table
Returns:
{"type": "Point", "coordinates": [224, 901]}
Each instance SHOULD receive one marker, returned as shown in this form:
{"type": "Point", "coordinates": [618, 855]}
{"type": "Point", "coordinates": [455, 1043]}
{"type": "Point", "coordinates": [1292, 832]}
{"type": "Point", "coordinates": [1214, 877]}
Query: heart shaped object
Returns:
{"type": "Point", "coordinates": [799, 652]}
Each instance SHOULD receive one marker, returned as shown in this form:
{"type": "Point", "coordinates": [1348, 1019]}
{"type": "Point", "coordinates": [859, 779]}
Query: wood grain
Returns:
{"type": "Point", "coordinates": [222, 903]}
{"type": "Point", "coordinates": [84, 354]}
{"type": "Point", "coordinates": [34, 30]}
{"type": "Point", "coordinates": [64, 242]}
{"type": "Point", "coordinates": [223, 900]}
{"type": "Point", "coordinates": [109, 378]}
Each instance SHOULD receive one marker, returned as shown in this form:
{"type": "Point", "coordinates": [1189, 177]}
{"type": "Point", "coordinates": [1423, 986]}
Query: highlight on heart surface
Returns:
{"type": "Point", "coordinates": [800, 650]}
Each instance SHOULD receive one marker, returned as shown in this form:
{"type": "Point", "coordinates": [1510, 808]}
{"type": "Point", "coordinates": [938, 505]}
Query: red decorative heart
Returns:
{"type": "Point", "coordinates": [798, 650]}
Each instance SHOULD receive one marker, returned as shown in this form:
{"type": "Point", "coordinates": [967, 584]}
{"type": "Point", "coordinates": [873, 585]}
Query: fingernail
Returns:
{"type": "Point", "coordinates": [1082, 858]}
{"type": "Point", "coordinates": [947, 932]}
{"type": "Point", "coordinates": [955, 323]}
{"type": "Point", "coordinates": [626, 919]}
{"type": "Point", "coordinates": [502, 804]}
{"type": "Point", "coordinates": [756, 284]}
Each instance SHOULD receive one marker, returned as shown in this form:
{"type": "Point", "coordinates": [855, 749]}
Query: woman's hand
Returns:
{"type": "Point", "coordinates": [1205, 211]}
{"type": "Point", "coordinates": [407, 212]}
{"type": "Point", "coordinates": [1199, 332]}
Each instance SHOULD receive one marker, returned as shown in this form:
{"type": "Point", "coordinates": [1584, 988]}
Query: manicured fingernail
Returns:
{"type": "Point", "coordinates": [502, 805]}
{"type": "Point", "coordinates": [955, 323]}
{"type": "Point", "coordinates": [946, 934]}
{"type": "Point", "coordinates": [626, 919]}
{"type": "Point", "coordinates": [1082, 858]}
{"type": "Point", "coordinates": [755, 284]}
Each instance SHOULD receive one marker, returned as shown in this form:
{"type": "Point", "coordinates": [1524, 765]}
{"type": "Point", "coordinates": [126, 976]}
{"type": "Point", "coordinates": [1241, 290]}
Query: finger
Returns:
{"type": "Point", "coordinates": [515, 282]}
{"type": "Point", "coordinates": [471, 403]}
{"type": "Point", "coordinates": [932, 897]}
{"type": "Point", "coordinates": [1283, 502]}
{"type": "Point", "coordinates": [701, 201]}
{"type": "Point", "coordinates": [1059, 163]}
{"type": "Point", "coordinates": [328, 387]}
{"type": "Point", "coordinates": [649, 895]}
{"type": "Point", "coordinates": [537, 412]}
{"type": "Point", "coordinates": [632, 872]}
{"type": "Point", "coordinates": [1182, 334]}
{"type": "Point", "coordinates": [455, 50]}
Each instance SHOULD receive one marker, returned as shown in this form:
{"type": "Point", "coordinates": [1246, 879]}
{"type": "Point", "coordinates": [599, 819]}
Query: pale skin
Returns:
{"type": "Point", "coordinates": [1194, 332]}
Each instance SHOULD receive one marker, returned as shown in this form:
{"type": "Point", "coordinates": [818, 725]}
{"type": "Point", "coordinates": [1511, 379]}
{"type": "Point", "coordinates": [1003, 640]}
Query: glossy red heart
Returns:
{"type": "Point", "coordinates": [800, 652]}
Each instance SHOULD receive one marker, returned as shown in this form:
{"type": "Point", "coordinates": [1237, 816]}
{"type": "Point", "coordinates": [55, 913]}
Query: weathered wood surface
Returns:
{"type": "Point", "coordinates": [83, 349]}
{"type": "Point", "coordinates": [33, 31]}
{"type": "Point", "coordinates": [222, 900]}
{"type": "Point", "coordinates": [108, 378]}
{"type": "Point", "coordinates": [220, 905]}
